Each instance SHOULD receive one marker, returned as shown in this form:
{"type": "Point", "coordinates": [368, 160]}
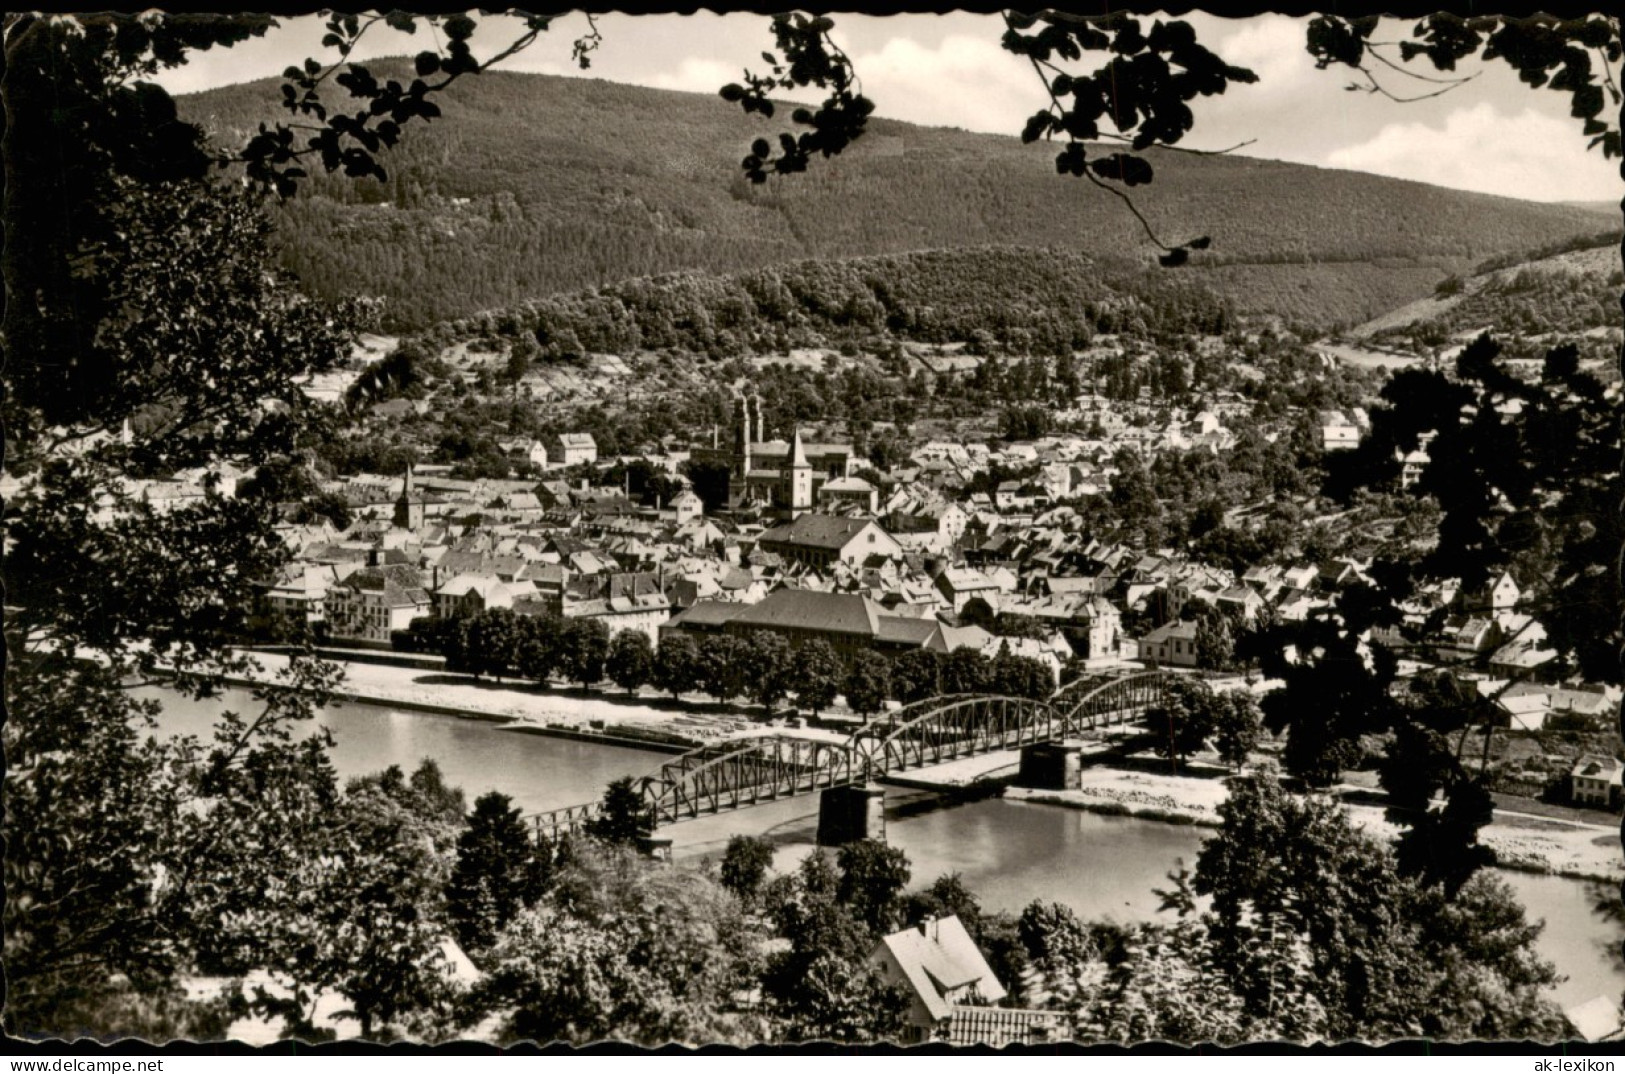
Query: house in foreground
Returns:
{"type": "Point", "coordinates": [951, 989]}
{"type": "Point", "coordinates": [1597, 781]}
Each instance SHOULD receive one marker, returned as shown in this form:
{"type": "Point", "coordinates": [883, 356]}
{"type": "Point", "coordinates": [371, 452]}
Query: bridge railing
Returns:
{"type": "Point", "coordinates": [737, 773]}
{"type": "Point", "coordinates": [558, 822]}
{"type": "Point", "coordinates": [743, 772]}
{"type": "Point", "coordinates": [968, 724]}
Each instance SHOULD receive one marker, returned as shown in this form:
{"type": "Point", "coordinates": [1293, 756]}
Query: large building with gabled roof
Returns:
{"type": "Point", "coordinates": [814, 540]}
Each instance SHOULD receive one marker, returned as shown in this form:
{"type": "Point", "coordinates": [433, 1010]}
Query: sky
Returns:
{"type": "Point", "coordinates": [1493, 134]}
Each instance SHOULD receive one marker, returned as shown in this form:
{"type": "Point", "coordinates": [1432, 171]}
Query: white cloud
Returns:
{"type": "Point", "coordinates": [1528, 155]}
{"type": "Point", "coordinates": [965, 81]}
{"type": "Point", "coordinates": [696, 75]}
{"type": "Point", "coordinates": [1271, 46]}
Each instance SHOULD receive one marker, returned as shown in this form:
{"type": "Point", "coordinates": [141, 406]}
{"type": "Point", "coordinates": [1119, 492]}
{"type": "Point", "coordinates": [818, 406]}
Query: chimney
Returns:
{"type": "Point", "coordinates": [372, 556]}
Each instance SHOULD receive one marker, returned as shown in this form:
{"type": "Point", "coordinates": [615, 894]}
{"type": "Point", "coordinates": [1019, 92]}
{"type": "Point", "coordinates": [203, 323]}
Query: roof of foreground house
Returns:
{"type": "Point", "coordinates": [938, 957]}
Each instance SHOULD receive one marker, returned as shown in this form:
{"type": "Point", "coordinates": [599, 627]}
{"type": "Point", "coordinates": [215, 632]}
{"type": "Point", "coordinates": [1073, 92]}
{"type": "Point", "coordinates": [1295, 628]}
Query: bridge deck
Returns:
{"type": "Point", "coordinates": [739, 773]}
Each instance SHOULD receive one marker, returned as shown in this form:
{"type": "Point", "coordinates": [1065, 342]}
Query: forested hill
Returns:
{"type": "Point", "coordinates": [1571, 296]}
{"type": "Point", "coordinates": [1022, 299]}
{"type": "Point", "coordinates": [533, 184]}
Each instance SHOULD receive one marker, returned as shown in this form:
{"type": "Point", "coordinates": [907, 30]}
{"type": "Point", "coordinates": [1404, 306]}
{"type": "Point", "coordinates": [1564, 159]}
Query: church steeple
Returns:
{"type": "Point", "coordinates": [800, 477]}
{"type": "Point", "coordinates": [408, 507]}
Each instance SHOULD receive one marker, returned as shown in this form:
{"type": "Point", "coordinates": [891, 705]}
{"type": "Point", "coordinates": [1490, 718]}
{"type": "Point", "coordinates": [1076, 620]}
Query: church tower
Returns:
{"type": "Point", "coordinates": [408, 507]}
{"type": "Point", "coordinates": [800, 477]}
{"type": "Point", "coordinates": [742, 441]}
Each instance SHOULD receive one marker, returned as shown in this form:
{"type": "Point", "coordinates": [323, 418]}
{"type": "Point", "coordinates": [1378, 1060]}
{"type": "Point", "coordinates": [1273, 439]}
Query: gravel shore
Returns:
{"type": "Point", "coordinates": [1543, 845]}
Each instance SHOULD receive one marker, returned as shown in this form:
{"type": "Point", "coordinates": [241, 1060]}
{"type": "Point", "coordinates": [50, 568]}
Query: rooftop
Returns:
{"type": "Point", "coordinates": [804, 609]}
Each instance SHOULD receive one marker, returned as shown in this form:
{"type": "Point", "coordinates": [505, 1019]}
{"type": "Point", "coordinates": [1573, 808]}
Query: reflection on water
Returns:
{"type": "Point", "coordinates": [1583, 943]}
{"type": "Point", "coordinates": [538, 772]}
{"type": "Point", "coordinates": [1008, 852]}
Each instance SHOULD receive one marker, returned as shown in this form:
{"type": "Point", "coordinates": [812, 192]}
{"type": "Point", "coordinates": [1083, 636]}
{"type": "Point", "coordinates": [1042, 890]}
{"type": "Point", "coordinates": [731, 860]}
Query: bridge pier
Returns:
{"type": "Point", "coordinates": [656, 847]}
{"type": "Point", "coordinates": [852, 813]}
{"type": "Point", "coordinates": [1051, 766]}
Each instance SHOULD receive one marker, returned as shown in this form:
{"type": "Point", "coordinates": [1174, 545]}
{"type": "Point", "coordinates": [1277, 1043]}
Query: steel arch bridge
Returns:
{"type": "Point", "coordinates": [742, 772]}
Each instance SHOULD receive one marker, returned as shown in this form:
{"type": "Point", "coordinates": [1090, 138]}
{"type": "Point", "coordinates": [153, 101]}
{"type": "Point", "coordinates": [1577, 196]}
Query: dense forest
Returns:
{"type": "Point", "coordinates": [1574, 294]}
{"type": "Point", "coordinates": [534, 184]}
{"type": "Point", "coordinates": [1022, 300]}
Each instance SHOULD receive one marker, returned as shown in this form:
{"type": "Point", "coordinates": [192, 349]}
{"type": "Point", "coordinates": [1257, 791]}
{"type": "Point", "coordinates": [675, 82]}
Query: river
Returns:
{"type": "Point", "coordinates": [1008, 852]}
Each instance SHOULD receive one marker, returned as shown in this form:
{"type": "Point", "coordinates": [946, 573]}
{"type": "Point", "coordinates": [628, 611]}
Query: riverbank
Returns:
{"type": "Point", "coordinates": [1525, 843]}
{"type": "Point", "coordinates": [1531, 844]}
{"type": "Point", "coordinates": [618, 719]}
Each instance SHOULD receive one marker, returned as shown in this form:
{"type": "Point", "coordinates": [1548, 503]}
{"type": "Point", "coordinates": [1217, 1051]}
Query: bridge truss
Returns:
{"type": "Point", "coordinates": [742, 772]}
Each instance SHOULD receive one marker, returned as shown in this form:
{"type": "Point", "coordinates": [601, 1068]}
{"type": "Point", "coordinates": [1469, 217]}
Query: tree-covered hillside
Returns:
{"type": "Point", "coordinates": [1021, 299]}
{"type": "Point", "coordinates": [533, 185]}
{"type": "Point", "coordinates": [1572, 296]}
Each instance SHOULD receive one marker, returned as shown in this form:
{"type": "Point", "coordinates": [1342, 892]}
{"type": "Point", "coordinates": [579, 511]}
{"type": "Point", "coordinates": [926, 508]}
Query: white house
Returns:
{"type": "Point", "coordinates": [960, 585]}
{"type": "Point", "coordinates": [1338, 432]}
{"type": "Point", "coordinates": [1597, 781]}
{"type": "Point", "coordinates": [939, 966]}
{"type": "Point", "coordinates": [569, 449]}
{"type": "Point", "coordinates": [1173, 644]}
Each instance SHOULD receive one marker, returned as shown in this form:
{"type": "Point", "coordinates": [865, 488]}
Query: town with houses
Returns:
{"type": "Point", "coordinates": [814, 543]}
{"type": "Point", "coordinates": [662, 567]}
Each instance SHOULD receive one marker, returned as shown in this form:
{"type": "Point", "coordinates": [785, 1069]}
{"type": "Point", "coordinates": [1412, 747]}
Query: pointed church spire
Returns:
{"type": "Point", "coordinates": [798, 454]}
{"type": "Point", "coordinates": [408, 509]}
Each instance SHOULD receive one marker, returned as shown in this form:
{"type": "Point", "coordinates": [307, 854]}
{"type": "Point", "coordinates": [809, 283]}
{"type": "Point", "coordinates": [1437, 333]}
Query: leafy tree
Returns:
{"type": "Point", "coordinates": [624, 948]}
{"type": "Point", "coordinates": [965, 671]}
{"type": "Point", "coordinates": [822, 988]}
{"type": "Point", "coordinates": [1019, 676]}
{"type": "Point", "coordinates": [155, 306]}
{"type": "Point", "coordinates": [330, 507]}
{"type": "Point", "coordinates": [709, 482]}
{"type": "Point", "coordinates": [160, 288]}
{"type": "Point", "coordinates": [916, 675]}
{"type": "Point", "coordinates": [1377, 951]}
{"type": "Point", "coordinates": [767, 668]}
{"type": "Point", "coordinates": [868, 683]}
{"type": "Point", "coordinates": [1237, 726]}
{"type": "Point", "coordinates": [1184, 719]}
{"type": "Point", "coordinates": [745, 864]}
{"type": "Point", "coordinates": [623, 817]}
{"type": "Point", "coordinates": [280, 480]}
{"type": "Point", "coordinates": [873, 875]}
{"type": "Point", "coordinates": [1053, 935]}
{"type": "Point", "coordinates": [538, 646]}
{"type": "Point", "coordinates": [498, 872]}
{"type": "Point", "coordinates": [722, 665]}
{"type": "Point", "coordinates": [1215, 642]}
{"type": "Point", "coordinates": [816, 675]}
{"type": "Point", "coordinates": [1321, 664]}
{"type": "Point", "coordinates": [631, 660]}
{"type": "Point", "coordinates": [375, 917]}
{"type": "Point", "coordinates": [677, 663]}
{"type": "Point", "coordinates": [583, 647]}
{"type": "Point", "coordinates": [114, 800]}
{"type": "Point", "coordinates": [946, 897]}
